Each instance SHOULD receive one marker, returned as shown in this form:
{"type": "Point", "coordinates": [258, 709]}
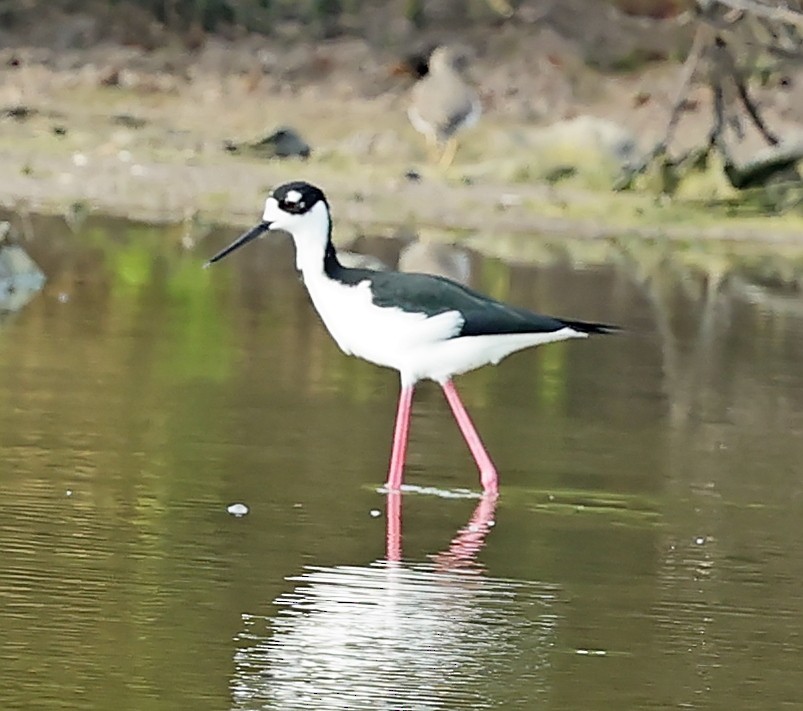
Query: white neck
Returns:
{"type": "Point", "coordinates": [311, 236]}
{"type": "Point", "coordinates": [309, 255]}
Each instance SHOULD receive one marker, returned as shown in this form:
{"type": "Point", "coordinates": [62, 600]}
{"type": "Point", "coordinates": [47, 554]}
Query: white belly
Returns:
{"type": "Point", "coordinates": [384, 336]}
{"type": "Point", "coordinates": [442, 360]}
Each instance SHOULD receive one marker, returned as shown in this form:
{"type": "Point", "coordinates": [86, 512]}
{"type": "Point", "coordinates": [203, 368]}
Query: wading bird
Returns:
{"type": "Point", "coordinates": [424, 326]}
{"type": "Point", "coordinates": [444, 103]}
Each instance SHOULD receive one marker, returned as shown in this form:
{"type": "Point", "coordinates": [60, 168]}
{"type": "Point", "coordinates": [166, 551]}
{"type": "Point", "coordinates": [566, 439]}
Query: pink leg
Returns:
{"type": "Point", "coordinates": [488, 477]}
{"type": "Point", "coordinates": [400, 439]}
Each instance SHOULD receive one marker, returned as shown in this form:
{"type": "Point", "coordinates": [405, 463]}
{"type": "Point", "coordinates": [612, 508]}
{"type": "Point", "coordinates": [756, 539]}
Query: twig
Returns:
{"type": "Point", "coordinates": [687, 74]}
{"type": "Point", "coordinates": [726, 62]}
{"type": "Point", "coordinates": [716, 137]}
{"type": "Point", "coordinates": [752, 111]}
{"type": "Point", "coordinates": [778, 13]}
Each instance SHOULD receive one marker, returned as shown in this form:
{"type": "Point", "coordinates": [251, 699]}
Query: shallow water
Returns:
{"type": "Point", "coordinates": [644, 552]}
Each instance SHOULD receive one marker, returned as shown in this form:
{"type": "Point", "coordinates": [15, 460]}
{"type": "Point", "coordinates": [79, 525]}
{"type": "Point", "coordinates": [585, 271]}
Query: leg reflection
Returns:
{"type": "Point", "coordinates": [465, 545]}
{"type": "Point", "coordinates": [393, 518]}
{"type": "Point", "coordinates": [469, 540]}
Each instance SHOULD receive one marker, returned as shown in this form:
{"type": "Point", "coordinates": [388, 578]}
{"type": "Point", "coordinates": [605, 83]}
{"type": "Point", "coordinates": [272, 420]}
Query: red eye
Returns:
{"type": "Point", "coordinates": [293, 207]}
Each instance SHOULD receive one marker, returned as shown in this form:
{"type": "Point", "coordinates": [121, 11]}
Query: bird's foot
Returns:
{"type": "Point", "coordinates": [490, 482]}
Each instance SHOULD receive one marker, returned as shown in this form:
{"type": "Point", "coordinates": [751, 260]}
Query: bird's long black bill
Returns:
{"type": "Point", "coordinates": [252, 234]}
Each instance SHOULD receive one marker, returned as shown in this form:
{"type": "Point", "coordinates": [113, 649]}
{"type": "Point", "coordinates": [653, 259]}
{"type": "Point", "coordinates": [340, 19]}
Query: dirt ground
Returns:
{"type": "Point", "coordinates": [93, 121]}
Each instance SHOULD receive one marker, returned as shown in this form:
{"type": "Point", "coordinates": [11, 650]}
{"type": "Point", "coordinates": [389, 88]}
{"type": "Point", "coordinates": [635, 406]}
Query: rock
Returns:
{"type": "Point", "coordinates": [771, 179]}
{"type": "Point", "coordinates": [238, 510]}
{"type": "Point", "coordinates": [772, 165]}
{"type": "Point", "coordinates": [18, 113]}
{"type": "Point", "coordinates": [284, 142]}
{"type": "Point", "coordinates": [594, 148]}
{"type": "Point", "coordinates": [110, 76]}
{"type": "Point", "coordinates": [128, 121]}
{"type": "Point", "coordinates": [20, 278]}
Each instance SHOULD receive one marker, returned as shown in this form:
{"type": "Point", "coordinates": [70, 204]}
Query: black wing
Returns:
{"type": "Point", "coordinates": [432, 295]}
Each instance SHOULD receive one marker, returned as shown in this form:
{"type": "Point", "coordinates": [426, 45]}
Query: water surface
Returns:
{"type": "Point", "coordinates": [644, 552]}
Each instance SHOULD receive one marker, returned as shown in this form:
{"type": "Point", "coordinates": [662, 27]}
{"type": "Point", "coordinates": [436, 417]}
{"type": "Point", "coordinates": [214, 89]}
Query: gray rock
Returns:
{"type": "Point", "coordinates": [284, 142]}
{"type": "Point", "coordinates": [20, 277]}
{"type": "Point", "coordinates": [19, 112]}
{"type": "Point", "coordinates": [585, 145]}
{"type": "Point", "coordinates": [128, 121]}
{"type": "Point", "coordinates": [773, 164]}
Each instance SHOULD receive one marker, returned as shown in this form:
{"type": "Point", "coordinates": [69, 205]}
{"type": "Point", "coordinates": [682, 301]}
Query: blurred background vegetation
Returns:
{"type": "Point", "coordinates": [338, 16]}
{"type": "Point", "coordinates": [702, 97]}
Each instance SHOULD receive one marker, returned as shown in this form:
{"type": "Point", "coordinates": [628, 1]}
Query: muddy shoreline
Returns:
{"type": "Point", "coordinates": [147, 144]}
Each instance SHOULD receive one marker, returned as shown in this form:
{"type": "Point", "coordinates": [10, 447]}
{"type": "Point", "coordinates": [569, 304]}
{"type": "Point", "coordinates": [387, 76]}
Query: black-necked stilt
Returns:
{"type": "Point", "coordinates": [424, 326]}
{"type": "Point", "coordinates": [443, 102]}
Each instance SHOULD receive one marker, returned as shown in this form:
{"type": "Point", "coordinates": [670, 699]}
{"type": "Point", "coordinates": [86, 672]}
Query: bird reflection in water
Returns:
{"type": "Point", "coordinates": [401, 635]}
{"type": "Point", "coordinates": [467, 543]}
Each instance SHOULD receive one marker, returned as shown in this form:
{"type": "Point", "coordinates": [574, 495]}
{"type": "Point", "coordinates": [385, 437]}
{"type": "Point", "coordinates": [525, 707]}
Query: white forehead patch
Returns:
{"type": "Point", "coordinates": [271, 210]}
{"type": "Point", "coordinates": [292, 196]}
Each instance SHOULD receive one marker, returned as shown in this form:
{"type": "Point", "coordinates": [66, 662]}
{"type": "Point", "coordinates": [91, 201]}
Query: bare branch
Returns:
{"type": "Point", "coordinates": [689, 67]}
{"type": "Point", "coordinates": [777, 13]}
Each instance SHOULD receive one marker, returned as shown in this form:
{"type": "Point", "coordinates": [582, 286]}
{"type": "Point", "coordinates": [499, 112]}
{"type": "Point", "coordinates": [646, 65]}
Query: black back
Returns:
{"type": "Point", "coordinates": [433, 295]}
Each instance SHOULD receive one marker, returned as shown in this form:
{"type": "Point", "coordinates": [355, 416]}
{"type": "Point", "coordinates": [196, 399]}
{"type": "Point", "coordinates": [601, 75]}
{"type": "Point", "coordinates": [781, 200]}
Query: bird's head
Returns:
{"type": "Point", "coordinates": [453, 57]}
{"type": "Point", "coordinates": [298, 208]}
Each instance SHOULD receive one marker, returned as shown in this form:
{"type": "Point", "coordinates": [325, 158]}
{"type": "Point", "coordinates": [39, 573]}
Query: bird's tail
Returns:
{"type": "Point", "coordinates": [586, 327]}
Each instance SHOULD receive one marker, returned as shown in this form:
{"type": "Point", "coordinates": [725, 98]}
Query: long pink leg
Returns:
{"type": "Point", "coordinates": [400, 432]}
{"type": "Point", "coordinates": [488, 477]}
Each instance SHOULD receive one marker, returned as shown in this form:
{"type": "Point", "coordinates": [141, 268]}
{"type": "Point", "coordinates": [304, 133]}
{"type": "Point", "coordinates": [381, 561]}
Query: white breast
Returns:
{"type": "Point", "coordinates": [382, 335]}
